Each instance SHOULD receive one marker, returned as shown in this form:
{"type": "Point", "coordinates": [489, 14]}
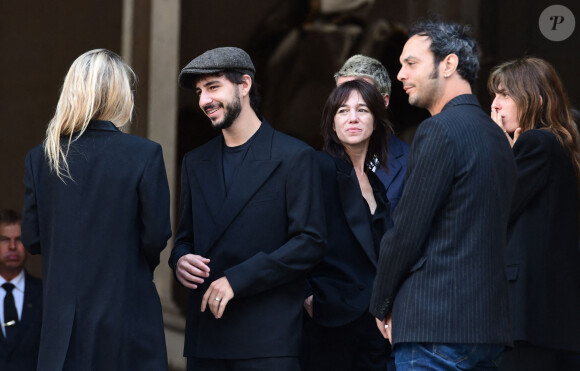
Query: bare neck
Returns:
{"type": "Point", "coordinates": [10, 274]}
{"type": "Point", "coordinates": [357, 156]}
{"type": "Point", "coordinates": [454, 87]}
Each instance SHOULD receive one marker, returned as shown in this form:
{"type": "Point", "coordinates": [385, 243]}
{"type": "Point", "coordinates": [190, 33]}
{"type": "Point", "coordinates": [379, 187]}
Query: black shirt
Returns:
{"type": "Point", "coordinates": [232, 160]}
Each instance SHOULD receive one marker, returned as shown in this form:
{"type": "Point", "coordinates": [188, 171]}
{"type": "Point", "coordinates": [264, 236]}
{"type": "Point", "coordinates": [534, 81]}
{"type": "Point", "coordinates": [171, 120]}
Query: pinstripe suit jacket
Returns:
{"type": "Point", "coordinates": [441, 267]}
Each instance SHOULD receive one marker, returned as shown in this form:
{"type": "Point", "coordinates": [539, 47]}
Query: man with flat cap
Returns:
{"type": "Point", "coordinates": [251, 225]}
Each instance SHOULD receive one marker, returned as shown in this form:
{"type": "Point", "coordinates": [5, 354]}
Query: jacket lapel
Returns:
{"type": "Point", "coordinates": [26, 318]}
{"type": "Point", "coordinates": [210, 177]}
{"type": "Point", "coordinates": [254, 171]}
{"type": "Point", "coordinates": [394, 164]}
{"type": "Point", "coordinates": [353, 205]}
{"type": "Point", "coordinates": [3, 346]}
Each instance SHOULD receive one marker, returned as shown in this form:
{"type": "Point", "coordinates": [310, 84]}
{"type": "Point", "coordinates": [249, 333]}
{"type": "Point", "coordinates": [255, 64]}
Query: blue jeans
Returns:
{"type": "Point", "coordinates": [447, 357]}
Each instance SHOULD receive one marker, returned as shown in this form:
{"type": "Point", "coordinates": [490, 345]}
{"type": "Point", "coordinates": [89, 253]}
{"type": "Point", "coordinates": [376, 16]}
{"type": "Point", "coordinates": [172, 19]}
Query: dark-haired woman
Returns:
{"type": "Point", "coordinates": [341, 333]}
{"type": "Point", "coordinates": [542, 260]}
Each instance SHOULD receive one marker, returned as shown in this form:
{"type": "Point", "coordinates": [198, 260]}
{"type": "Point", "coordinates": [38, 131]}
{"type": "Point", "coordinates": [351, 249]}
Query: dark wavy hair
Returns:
{"type": "Point", "coordinates": [377, 151]}
{"type": "Point", "coordinates": [450, 38]}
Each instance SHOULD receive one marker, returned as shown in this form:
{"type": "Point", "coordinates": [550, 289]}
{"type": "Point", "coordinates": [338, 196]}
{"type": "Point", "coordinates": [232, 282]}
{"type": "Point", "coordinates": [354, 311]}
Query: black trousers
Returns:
{"type": "Point", "coordinates": [355, 346]}
{"type": "Point", "coordinates": [253, 364]}
{"type": "Point", "coordinates": [528, 357]}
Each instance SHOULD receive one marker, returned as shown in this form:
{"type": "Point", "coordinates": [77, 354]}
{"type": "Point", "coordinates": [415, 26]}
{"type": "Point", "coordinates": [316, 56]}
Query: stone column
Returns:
{"type": "Point", "coordinates": [162, 127]}
{"type": "Point", "coordinates": [155, 57]}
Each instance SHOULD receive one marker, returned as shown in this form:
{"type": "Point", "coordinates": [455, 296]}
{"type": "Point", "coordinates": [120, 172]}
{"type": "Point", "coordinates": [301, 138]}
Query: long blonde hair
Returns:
{"type": "Point", "coordinates": [98, 86]}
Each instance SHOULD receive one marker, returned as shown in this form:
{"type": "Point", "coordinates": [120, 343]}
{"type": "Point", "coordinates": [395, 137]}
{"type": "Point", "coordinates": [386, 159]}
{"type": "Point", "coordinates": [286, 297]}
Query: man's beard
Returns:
{"type": "Point", "coordinates": [431, 92]}
{"type": "Point", "coordinates": [232, 111]}
{"type": "Point", "coordinates": [434, 74]}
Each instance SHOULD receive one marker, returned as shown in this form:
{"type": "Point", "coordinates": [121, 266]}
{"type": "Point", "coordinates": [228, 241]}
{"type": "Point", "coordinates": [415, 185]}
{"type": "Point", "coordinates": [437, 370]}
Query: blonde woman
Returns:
{"type": "Point", "coordinates": [542, 258]}
{"type": "Point", "coordinates": [97, 209]}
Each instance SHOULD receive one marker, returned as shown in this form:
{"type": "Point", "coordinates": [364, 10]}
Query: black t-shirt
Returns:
{"type": "Point", "coordinates": [232, 160]}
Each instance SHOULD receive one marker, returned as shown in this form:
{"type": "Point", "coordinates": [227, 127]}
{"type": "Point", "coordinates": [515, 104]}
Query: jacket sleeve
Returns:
{"type": "Point", "coordinates": [154, 202]}
{"type": "Point", "coordinates": [30, 227]}
{"type": "Point", "coordinates": [184, 233]}
{"type": "Point", "coordinates": [306, 234]}
{"type": "Point", "coordinates": [532, 155]}
{"type": "Point", "coordinates": [430, 173]}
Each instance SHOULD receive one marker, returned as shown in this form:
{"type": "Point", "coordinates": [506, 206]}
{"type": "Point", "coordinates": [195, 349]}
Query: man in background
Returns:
{"type": "Point", "coordinates": [20, 300]}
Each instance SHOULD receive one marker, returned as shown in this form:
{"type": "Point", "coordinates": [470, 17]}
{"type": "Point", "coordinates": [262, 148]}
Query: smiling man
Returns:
{"type": "Point", "coordinates": [251, 225]}
{"type": "Point", "coordinates": [440, 294]}
{"type": "Point", "coordinates": [20, 300]}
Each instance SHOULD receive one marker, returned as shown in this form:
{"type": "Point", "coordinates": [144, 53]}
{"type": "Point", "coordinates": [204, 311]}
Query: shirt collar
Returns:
{"type": "Point", "coordinates": [18, 281]}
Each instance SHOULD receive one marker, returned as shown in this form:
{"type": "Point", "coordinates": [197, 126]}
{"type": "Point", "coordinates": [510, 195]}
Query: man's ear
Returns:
{"type": "Point", "coordinates": [450, 64]}
{"type": "Point", "coordinates": [246, 84]}
{"type": "Point", "coordinates": [386, 99]}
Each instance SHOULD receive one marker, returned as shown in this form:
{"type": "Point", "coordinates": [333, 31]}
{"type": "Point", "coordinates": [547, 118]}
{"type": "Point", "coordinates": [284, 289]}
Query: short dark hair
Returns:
{"type": "Point", "coordinates": [450, 38]}
{"type": "Point", "coordinates": [377, 151]}
{"type": "Point", "coordinates": [9, 216]}
{"type": "Point", "coordinates": [235, 77]}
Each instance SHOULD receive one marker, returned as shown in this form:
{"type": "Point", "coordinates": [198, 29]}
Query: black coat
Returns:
{"type": "Point", "coordinates": [543, 261]}
{"type": "Point", "coordinates": [441, 266]}
{"type": "Point", "coordinates": [342, 282]}
{"type": "Point", "coordinates": [263, 236]}
{"type": "Point", "coordinates": [21, 355]}
{"type": "Point", "coordinates": [100, 237]}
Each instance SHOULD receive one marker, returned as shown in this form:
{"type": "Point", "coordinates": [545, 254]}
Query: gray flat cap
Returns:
{"type": "Point", "coordinates": [217, 60]}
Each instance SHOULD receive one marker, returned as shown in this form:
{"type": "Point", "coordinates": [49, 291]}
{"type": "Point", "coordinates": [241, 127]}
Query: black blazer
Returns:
{"type": "Point", "coordinates": [543, 261]}
{"type": "Point", "coordinates": [342, 282]}
{"type": "Point", "coordinates": [21, 355]}
{"type": "Point", "coordinates": [441, 267]}
{"type": "Point", "coordinates": [100, 237]}
{"type": "Point", "coordinates": [263, 236]}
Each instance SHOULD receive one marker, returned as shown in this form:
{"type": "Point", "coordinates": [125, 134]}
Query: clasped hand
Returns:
{"type": "Point", "coordinates": [192, 270]}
